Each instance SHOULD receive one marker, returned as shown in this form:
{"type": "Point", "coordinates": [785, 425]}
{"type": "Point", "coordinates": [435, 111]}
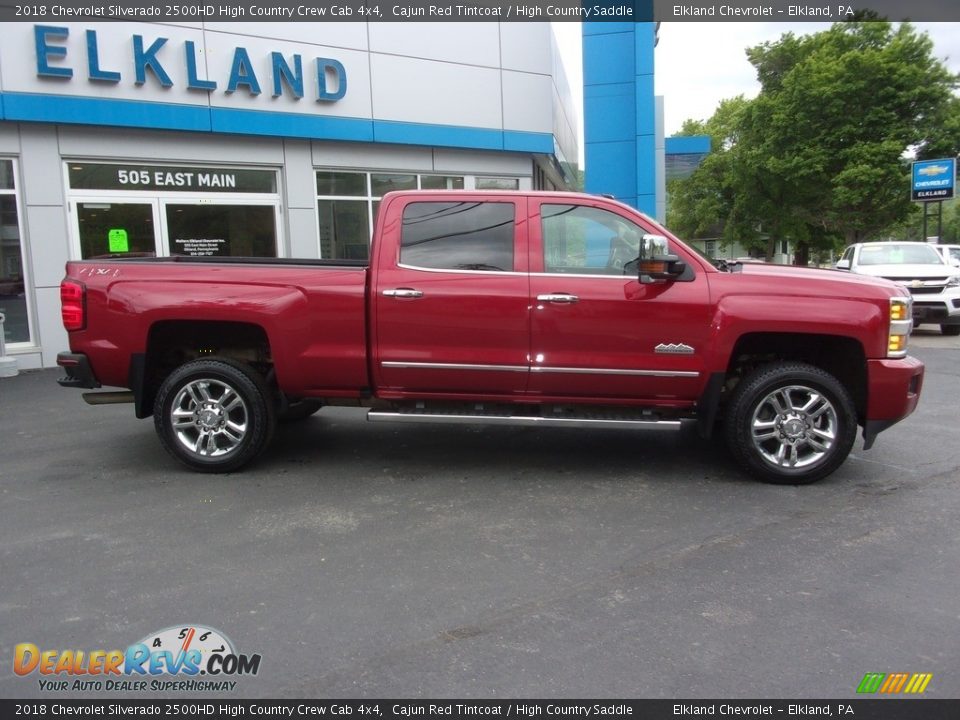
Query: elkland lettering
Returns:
{"type": "Point", "coordinates": [150, 60]}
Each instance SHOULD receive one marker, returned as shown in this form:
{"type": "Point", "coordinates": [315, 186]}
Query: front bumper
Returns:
{"type": "Point", "coordinates": [893, 391]}
{"type": "Point", "coordinates": [945, 311]}
{"type": "Point", "coordinates": [79, 372]}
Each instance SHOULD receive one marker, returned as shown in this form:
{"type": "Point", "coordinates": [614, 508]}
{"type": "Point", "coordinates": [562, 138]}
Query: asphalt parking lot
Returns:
{"type": "Point", "coordinates": [366, 560]}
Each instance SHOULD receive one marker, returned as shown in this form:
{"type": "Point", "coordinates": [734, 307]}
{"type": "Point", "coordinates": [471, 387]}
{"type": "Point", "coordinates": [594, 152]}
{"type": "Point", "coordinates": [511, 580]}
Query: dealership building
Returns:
{"type": "Point", "coordinates": [253, 139]}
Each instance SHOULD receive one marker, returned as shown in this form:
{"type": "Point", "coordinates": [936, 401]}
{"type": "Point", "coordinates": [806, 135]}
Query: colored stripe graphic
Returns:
{"type": "Point", "coordinates": [871, 682]}
{"type": "Point", "coordinates": [918, 683]}
{"type": "Point", "coordinates": [894, 683]}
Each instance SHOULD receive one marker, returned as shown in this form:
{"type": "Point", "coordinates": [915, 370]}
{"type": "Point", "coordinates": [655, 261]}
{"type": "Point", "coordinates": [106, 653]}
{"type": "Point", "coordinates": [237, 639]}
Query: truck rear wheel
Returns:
{"type": "Point", "coordinates": [214, 415]}
{"type": "Point", "coordinates": [790, 423]}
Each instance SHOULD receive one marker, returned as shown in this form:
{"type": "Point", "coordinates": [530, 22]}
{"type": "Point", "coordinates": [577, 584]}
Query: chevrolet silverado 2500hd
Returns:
{"type": "Point", "coordinates": [543, 309]}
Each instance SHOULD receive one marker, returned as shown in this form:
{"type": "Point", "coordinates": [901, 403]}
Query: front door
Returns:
{"type": "Point", "coordinates": [596, 331]}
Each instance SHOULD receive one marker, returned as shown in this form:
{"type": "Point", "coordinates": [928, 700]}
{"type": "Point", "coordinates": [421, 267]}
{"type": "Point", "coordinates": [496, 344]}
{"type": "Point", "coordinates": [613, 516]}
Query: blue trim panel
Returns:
{"type": "Point", "coordinates": [687, 145]}
{"type": "Point", "coordinates": [388, 131]}
{"type": "Point", "coordinates": [94, 111]}
{"type": "Point", "coordinates": [528, 142]}
{"type": "Point", "coordinates": [203, 118]}
{"type": "Point", "coordinates": [261, 122]}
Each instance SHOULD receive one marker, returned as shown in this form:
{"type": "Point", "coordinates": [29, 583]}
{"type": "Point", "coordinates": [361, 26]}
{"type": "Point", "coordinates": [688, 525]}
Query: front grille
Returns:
{"type": "Point", "coordinates": [908, 280]}
{"type": "Point", "coordinates": [925, 290]}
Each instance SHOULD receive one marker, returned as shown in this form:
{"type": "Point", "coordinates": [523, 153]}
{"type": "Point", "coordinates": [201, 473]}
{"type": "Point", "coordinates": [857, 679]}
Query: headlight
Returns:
{"type": "Point", "coordinates": [954, 281]}
{"type": "Point", "coordinates": [901, 323]}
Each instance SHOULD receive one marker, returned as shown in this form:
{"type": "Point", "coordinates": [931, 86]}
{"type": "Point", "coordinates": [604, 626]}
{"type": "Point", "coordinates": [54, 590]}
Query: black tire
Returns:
{"type": "Point", "coordinates": [764, 435]}
{"type": "Point", "coordinates": [951, 330]}
{"type": "Point", "coordinates": [190, 410]}
{"type": "Point", "coordinates": [300, 410]}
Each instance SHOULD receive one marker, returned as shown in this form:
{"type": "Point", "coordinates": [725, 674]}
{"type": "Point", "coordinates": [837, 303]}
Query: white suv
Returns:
{"type": "Point", "coordinates": [931, 280]}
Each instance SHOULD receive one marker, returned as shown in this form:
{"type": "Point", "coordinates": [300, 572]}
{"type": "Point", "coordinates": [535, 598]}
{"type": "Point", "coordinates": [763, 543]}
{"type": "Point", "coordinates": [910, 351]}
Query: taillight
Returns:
{"type": "Point", "coordinates": [73, 305]}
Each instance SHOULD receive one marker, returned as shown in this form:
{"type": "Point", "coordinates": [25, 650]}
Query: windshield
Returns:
{"type": "Point", "coordinates": [899, 254]}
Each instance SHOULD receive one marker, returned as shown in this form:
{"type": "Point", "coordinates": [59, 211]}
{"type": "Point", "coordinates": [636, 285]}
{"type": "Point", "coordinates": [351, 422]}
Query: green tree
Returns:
{"type": "Point", "coordinates": [701, 205]}
{"type": "Point", "coordinates": [835, 115]}
{"type": "Point", "coordinates": [819, 156]}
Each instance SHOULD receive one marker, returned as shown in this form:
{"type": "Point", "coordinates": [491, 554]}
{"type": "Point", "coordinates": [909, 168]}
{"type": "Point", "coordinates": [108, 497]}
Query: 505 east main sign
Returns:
{"type": "Point", "coordinates": [327, 78]}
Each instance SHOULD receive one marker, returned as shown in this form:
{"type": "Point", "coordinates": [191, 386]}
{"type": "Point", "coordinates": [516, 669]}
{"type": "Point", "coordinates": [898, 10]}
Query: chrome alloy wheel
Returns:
{"type": "Point", "coordinates": [794, 427]}
{"type": "Point", "coordinates": [209, 418]}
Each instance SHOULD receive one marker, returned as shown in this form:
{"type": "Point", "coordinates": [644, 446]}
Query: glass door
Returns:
{"type": "Point", "coordinates": [111, 227]}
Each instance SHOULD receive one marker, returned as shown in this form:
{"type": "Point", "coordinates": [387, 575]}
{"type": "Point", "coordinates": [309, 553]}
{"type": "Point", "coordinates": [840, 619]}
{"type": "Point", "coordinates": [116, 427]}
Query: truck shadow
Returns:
{"type": "Point", "coordinates": [337, 439]}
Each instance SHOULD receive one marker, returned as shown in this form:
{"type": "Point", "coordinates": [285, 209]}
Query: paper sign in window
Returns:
{"type": "Point", "coordinates": [119, 243]}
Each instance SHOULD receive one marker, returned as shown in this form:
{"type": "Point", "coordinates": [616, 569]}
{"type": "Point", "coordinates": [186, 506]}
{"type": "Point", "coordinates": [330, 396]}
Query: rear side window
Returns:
{"type": "Point", "coordinates": [465, 235]}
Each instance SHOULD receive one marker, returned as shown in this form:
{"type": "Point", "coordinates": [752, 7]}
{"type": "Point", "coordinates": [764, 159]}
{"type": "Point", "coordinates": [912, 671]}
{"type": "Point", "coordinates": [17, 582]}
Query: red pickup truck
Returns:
{"type": "Point", "coordinates": [543, 309]}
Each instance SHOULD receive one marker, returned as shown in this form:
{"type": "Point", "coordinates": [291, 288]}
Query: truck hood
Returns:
{"type": "Point", "coordinates": [836, 278]}
{"type": "Point", "coordinates": [907, 272]}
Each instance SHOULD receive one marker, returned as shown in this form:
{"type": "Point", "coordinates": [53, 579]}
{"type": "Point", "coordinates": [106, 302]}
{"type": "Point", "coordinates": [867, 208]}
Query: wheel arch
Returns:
{"type": "Point", "coordinates": [841, 356]}
{"type": "Point", "coordinates": [171, 343]}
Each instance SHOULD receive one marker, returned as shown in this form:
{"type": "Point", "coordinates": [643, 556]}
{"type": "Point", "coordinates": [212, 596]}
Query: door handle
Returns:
{"type": "Point", "coordinates": [403, 293]}
{"type": "Point", "coordinates": [561, 298]}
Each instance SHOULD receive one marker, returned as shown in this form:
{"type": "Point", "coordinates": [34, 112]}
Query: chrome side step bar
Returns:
{"type": "Point", "coordinates": [521, 420]}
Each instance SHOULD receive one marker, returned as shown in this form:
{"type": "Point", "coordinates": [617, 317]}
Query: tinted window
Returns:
{"type": "Point", "coordinates": [591, 241]}
{"type": "Point", "coordinates": [458, 235]}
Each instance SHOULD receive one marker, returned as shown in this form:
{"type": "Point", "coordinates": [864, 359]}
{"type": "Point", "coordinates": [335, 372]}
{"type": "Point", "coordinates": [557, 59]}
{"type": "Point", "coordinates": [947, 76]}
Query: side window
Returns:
{"type": "Point", "coordinates": [458, 235]}
{"type": "Point", "coordinates": [590, 241]}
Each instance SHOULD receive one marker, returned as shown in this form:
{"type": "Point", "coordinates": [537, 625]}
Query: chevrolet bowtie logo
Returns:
{"type": "Point", "coordinates": [916, 283]}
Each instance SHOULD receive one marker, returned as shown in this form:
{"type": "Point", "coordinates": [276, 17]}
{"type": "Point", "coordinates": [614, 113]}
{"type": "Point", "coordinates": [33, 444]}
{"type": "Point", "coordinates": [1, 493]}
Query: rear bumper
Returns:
{"type": "Point", "coordinates": [79, 372]}
{"type": "Point", "coordinates": [893, 393]}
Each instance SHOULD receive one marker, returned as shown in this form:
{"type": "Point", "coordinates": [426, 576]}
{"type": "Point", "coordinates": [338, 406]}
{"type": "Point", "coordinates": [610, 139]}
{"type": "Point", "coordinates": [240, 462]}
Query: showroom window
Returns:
{"type": "Point", "coordinates": [131, 209]}
{"type": "Point", "coordinates": [347, 204]}
{"type": "Point", "coordinates": [13, 296]}
{"type": "Point", "coordinates": [497, 183]}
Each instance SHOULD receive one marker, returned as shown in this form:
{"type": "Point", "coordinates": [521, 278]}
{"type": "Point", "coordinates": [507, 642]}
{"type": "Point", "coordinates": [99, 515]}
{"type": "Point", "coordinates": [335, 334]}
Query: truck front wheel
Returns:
{"type": "Point", "coordinates": [214, 415]}
{"type": "Point", "coordinates": [790, 423]}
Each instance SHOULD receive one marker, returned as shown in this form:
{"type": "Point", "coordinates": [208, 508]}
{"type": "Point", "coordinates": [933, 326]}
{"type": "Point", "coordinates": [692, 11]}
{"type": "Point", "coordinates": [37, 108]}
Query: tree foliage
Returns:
{"type": "Point", "coordinates": [820, 154]}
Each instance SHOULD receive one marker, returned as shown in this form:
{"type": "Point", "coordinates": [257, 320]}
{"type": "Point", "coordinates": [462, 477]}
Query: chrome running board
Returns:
{"type": "Point", "coordinates": [614, 422]}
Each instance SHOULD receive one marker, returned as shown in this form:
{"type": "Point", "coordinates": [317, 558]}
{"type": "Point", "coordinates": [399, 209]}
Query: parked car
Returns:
{"type": "Point", "coordinates": [933, 283]}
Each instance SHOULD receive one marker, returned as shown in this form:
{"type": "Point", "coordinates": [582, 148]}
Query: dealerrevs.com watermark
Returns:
{"type": "Point", "coordinates": [182, 658]}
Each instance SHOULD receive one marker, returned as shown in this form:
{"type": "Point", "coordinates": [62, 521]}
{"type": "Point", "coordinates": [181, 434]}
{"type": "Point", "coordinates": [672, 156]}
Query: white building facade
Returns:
{"type": "Point", "coordinates": [251, 139]}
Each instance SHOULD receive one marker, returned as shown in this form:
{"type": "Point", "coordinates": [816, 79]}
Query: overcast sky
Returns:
{"type": "Point", "coordinates": [699, 64]}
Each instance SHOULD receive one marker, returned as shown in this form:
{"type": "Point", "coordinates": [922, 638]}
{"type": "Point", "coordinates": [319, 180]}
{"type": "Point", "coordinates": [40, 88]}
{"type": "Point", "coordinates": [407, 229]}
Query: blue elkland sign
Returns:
{"type": "Point", "coordinates": [150, 62]}
{"type": "Point", "coordinates": [287, 76]}
{"type": "Point", "coordinates": [933, 180]}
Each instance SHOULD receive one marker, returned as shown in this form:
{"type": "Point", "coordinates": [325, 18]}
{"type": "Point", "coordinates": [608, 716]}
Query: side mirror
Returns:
{"type": "Point", "coordinates": [955, 262]}
{"type": "Point", "coordinates": [656, 262]}
{"type": "Point", "coordinates": [843, 265]}
{"type": "Point", "coordinates": [660, 267]}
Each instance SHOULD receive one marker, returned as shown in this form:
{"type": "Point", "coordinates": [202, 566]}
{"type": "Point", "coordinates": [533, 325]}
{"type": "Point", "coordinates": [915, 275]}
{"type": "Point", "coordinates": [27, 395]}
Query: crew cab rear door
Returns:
{"type": "Point", "coordinates": [450, 296]}
{"type": "Point", "coordinates": [596, 331]}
